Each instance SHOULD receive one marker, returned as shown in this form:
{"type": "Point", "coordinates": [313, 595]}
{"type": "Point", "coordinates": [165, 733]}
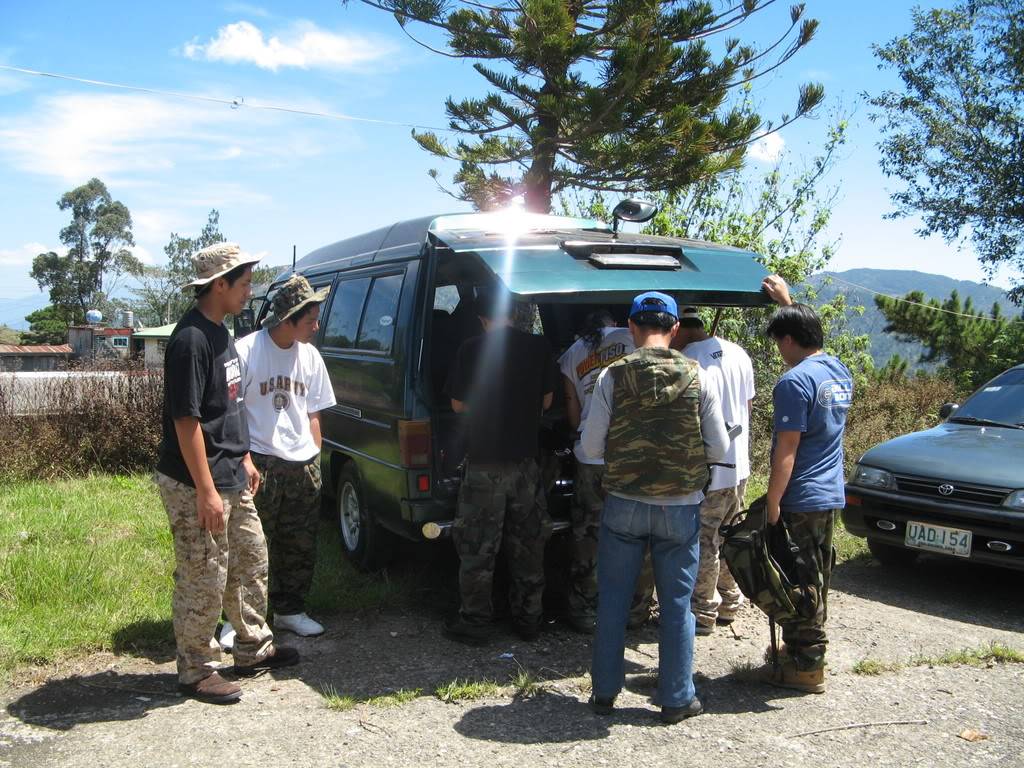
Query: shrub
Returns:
{"type": "Point", "coordinates": [100, 417]}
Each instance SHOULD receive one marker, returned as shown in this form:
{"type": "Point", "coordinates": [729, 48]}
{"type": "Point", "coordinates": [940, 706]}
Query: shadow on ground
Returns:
{"type": "Point", "coordinates": [940, 586]}
{"type": "Point", "coordinates": [105, 697]}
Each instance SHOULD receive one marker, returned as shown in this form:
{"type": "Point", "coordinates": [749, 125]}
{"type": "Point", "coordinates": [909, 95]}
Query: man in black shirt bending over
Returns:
{"type": "Point", "coordinates": [501, 383]}
{"type": "Point", "coordinates": [207, 480]}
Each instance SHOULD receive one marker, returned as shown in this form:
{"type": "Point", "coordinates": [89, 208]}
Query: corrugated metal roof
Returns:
{"type": "Point", "coordinates": [35, 349]}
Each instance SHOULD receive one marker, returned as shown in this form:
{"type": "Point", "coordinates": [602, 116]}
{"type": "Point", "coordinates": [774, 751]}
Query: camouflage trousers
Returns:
{"type": "Point", "coordinates": [812, 532]}
{"type": "Point", "coordinates": [716, 593]}
{"type": "Point", "coordinates": [501, 503]}
{"type": "Point", "coordinates": [289, 507]}
{"type": "Point", "coordinates": [213, 572]}
{"type": "Point", "coordinates": [585, 518]}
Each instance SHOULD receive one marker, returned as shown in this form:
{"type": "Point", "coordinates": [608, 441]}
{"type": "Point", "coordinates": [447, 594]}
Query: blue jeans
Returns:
{"type": "Point", "coordinates": [673, 533]}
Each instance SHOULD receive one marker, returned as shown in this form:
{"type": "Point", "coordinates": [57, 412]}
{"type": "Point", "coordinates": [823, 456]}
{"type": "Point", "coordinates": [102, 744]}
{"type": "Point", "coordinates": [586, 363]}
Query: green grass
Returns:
{"type": "Point", "coordinates": [873, 667]}
{"type": "Point", "coordinates": [335, 701]}
{"type": "Point", "coordinates": [86, 565]}
{"type": "Point", "coordinates": [525, 684]}
{"type": "Point", "coordinates": [994, 653]}
{"type": "Point", "coordinates": [466, 690]}
{"type": "Point", "coordinates": [395, 698]}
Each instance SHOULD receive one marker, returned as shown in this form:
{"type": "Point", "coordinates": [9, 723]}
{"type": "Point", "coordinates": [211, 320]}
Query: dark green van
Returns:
{"type": "Point", "coordinates": [400, 305]}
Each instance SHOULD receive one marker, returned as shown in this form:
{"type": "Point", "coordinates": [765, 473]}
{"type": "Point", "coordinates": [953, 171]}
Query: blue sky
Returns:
{"type": "Point", "coordinates": [281, 179]}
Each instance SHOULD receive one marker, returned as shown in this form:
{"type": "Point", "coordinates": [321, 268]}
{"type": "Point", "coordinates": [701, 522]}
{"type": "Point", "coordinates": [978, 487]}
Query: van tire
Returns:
{"type": "Point", "coordinates": [364, 542]}
{"type": "Point", "coordinates": [891, 555]}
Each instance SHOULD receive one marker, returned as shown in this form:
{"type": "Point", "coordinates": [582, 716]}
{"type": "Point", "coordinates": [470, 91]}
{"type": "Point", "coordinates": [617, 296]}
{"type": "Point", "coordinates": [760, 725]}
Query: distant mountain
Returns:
{"type": "Point", "coordinates": [13, 311]}
{"type": "Point", "coordinates": [857, 285]}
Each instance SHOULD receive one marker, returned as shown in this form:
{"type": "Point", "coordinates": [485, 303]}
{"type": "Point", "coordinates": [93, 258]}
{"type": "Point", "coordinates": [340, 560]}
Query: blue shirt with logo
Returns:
{"type": "Point", "coordinates": [813, 397]}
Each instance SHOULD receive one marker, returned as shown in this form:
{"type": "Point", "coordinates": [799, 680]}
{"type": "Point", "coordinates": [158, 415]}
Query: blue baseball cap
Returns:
{"type": "Point", "coordinates": [654, 301]}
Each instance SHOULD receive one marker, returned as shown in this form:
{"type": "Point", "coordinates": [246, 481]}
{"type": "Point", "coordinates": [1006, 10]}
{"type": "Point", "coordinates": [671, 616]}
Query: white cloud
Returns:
{"type": "Point", "coordinates": [303, 45]}
{"type": "Point", "coordinates": [247, 9]}
{"type": "Point", "coordinates": [22, 256]}
{"type": "Point", "coordinates": [767, 149]}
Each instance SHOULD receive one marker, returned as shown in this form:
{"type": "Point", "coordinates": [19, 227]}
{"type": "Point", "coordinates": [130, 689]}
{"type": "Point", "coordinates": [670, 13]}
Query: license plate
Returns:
{"type": "Point", "coordinates": [937, 538]}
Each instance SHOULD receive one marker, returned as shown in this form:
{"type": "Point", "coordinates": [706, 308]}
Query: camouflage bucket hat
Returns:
{"type": "Point", "coordinates": [217, 260]}
{"type": "Point", "coordinates": [290, 298]}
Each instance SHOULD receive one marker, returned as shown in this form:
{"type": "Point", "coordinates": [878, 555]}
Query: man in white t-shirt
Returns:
{"type": "Point", "coordinates": [600, 345]}
{"type": "Point", "coordinates": [286, 386]}
{"type": "Point", "coordinates": [716, 597]}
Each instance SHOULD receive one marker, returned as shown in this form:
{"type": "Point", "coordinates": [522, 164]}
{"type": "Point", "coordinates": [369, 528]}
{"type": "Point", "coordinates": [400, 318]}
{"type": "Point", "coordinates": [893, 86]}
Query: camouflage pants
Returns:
{"type": "Point", "coordinates": [716, 593]}
{"type": "Point", "coordinates": [289, 506]}
{"type": "Point", "coordinates": [812, 532]}
{"type": "Point", "coordinates": [213, 572]}
{"type": "Point", "coordinates": [585, 517]}
{"type": "Point", "coordinates": [501, 502]}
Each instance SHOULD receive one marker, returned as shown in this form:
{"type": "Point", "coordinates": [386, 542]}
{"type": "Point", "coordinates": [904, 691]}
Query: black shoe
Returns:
{"type": "Point", "coordinates": [582, 624]}
{"type": "Point", "coordinates": [724, 621]}
{"type": "Point", "coordinates": [461, 631]}
{"type": "Point", "coordinates": [526, 630]}
{"type": "Point", "coordinates": [703, 630]}
{"type": "Point", "coordinates": [670, 715]}
{"type": "Point", "coordinates": [602, 706]}
{"type": "Point", "coordinates": [282, 656]}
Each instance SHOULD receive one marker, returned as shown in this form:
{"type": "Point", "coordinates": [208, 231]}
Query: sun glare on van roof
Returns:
{"type": "Point", "coordinates": [510, 221]}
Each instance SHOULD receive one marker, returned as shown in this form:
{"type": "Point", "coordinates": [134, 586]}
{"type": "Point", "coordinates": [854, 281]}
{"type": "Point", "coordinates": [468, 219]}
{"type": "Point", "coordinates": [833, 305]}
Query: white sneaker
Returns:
{"type": "Point", "coordinates": [299, 623]}
{"type": "Point", "coordinates": [227, 637]}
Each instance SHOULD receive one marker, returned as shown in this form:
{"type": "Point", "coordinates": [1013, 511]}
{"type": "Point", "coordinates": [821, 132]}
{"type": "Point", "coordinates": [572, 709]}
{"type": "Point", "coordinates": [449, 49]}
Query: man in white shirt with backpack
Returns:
{"type": "Point", "coordinates": [286, 386]}
{"type": "Point", "coordinates": [716, 596]}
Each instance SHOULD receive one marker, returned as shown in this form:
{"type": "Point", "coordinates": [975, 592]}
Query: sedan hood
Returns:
{"type": "Point", "coordinates": [965, 453]}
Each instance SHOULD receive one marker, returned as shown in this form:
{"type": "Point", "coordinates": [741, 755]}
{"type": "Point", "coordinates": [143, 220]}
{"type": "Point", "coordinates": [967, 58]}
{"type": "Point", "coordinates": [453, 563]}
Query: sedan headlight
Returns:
{"type": "Point", "coordinates": [1015, 500]}
{"type": "Point", "coordinates": [872, 478]}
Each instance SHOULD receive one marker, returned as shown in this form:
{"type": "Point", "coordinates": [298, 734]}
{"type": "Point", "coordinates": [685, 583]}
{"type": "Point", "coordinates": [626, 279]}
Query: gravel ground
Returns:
{"type": "Point", "coordinates": [106, 710]}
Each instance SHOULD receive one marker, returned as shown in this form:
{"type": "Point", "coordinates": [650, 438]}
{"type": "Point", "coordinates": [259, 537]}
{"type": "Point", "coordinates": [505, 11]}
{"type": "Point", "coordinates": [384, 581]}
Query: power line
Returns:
{"type": "Point", "coordinates": [233, 103]}
{"type": "Point", "coordinates": [917, 303]}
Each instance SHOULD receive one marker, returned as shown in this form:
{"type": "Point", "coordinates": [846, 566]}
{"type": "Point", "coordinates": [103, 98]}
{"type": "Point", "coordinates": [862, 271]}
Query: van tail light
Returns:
{"type": "Point", "coordinates": [414, 442]}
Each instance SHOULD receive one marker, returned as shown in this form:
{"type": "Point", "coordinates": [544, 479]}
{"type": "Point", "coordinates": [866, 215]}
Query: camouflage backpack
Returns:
{"type": "Point", "coordinates": [767, 565]}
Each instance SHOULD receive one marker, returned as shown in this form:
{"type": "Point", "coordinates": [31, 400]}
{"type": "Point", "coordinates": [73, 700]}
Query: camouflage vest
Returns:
{"type": "Point", "coordinates": [654, 445]}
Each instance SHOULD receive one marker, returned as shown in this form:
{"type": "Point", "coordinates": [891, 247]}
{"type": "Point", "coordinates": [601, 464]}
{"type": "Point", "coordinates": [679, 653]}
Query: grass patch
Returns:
{"type": "Point", "coordinates": [994, 653]}
{"type": "Point", "coordinates": [335, 701]}
{"type": "Point", "coordinates": [874, 667]}
{"type": "Point", "coordinates": [465, 690]}
{"type": "Point", "coordinates": [525, 684]}
{"type": "Point", "coordinates": [745, 671]}
{"type": "Point", "coordinates": [395, 698]}
{"type": "Point", "coordinates": [86, 565]}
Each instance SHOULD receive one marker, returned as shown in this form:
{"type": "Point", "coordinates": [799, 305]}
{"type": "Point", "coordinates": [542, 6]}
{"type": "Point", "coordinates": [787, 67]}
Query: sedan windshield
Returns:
{"type": "Point", "coordinates": [1000, 402]}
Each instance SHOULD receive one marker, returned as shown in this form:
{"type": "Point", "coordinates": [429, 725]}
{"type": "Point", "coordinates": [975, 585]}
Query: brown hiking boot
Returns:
{"type": "Point", "coordinates": [213, 689]}
{"type": "Point", "coordinates": [281, 656]}
{"type": "Point", "coordinates": [786, 675]}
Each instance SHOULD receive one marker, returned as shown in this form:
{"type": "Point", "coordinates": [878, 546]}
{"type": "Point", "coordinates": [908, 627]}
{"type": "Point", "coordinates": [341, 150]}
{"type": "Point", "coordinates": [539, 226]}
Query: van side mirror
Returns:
{"type": "Point", "coordinates": [244, 323]}
{"type": "Point", "coordinates": [947, 410]}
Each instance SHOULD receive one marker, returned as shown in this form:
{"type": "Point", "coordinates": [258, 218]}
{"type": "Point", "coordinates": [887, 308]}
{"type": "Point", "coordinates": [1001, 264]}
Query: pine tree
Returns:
{"type": "Point", "coordinates": [607, 95]}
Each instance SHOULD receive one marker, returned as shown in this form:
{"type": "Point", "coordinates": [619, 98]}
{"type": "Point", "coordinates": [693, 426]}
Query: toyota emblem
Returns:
{"type": "Point", "coordinates": [946, 489]}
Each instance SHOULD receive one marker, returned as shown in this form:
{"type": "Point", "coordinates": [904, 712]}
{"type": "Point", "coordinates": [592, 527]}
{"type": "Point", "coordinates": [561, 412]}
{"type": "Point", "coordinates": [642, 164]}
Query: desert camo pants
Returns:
{"type": "Point", "coordinates": [289, 507]}
{"type": "Point", "coordinates": [501, 504]}
{"type": "Point", "coordinates": [585, 518]}
{"type": "Point", "coordinates": [716, 593]}
{"type": "Point", "coordinates": [812, 532]}
{"type": "Point", "coordinates": [212, 572]}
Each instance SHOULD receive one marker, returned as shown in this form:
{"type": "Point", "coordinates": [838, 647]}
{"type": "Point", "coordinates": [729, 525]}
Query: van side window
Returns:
{"type": "Point", "coordinates": [378, 327]}
{"type": "Point", "coordinates": [346, 309]}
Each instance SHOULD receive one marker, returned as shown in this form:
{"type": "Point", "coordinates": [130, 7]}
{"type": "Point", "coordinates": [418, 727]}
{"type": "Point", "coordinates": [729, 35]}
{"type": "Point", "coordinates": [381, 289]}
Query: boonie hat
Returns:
{"type": "Point", "coordinates": [654, 301]}
{"type": "Point", "coordinates": [217, 260]}
{"type": "Point", "coordinates": [290, 298]}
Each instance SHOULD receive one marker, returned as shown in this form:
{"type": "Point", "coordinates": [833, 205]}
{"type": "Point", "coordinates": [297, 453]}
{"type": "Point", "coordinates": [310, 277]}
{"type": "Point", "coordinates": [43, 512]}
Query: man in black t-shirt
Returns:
{"type": "Point", "coordinates": [207, 480]}
{"type": "Point", "coordinates": [501, 382]}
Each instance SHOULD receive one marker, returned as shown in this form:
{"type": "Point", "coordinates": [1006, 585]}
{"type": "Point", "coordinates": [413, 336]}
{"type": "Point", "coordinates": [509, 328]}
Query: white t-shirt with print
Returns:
{"type": "Point", "coordinates": [582, 365]}
{"type": "Point", "coordinates": [281, 388]}
{"type": "Point", "coordinates": [736, 388]}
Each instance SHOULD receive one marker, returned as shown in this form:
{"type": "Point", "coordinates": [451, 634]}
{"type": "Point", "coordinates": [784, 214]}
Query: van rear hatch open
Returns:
{"type": "Point", "coordinates": [580, 261]}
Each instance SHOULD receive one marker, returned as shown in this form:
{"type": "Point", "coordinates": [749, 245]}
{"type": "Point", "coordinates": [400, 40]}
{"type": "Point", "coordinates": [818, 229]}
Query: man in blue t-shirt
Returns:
{"type": "Point", "coordinates": [811, 401]}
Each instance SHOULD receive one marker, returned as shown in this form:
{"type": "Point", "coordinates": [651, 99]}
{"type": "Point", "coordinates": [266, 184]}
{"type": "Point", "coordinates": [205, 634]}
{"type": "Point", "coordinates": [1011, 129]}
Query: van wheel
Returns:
{"type": "Point", "coordinates": [365, 543]}
{"type": "Point", "coordinates": [888, 554]}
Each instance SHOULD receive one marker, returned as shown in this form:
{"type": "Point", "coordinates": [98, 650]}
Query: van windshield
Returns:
{"type": "Point", "coordinates": [1001, 400]}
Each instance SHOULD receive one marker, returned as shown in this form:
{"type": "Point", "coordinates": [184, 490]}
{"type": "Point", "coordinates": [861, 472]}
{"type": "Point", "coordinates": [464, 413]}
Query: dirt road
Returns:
{"type": "Point", "coordinates": [123, 711]}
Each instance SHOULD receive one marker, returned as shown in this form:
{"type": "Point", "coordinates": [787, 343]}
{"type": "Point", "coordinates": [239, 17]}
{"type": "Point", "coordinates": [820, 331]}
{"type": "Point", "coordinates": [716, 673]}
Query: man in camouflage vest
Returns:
{"type": "Point", "coordinates": [657, 426]}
